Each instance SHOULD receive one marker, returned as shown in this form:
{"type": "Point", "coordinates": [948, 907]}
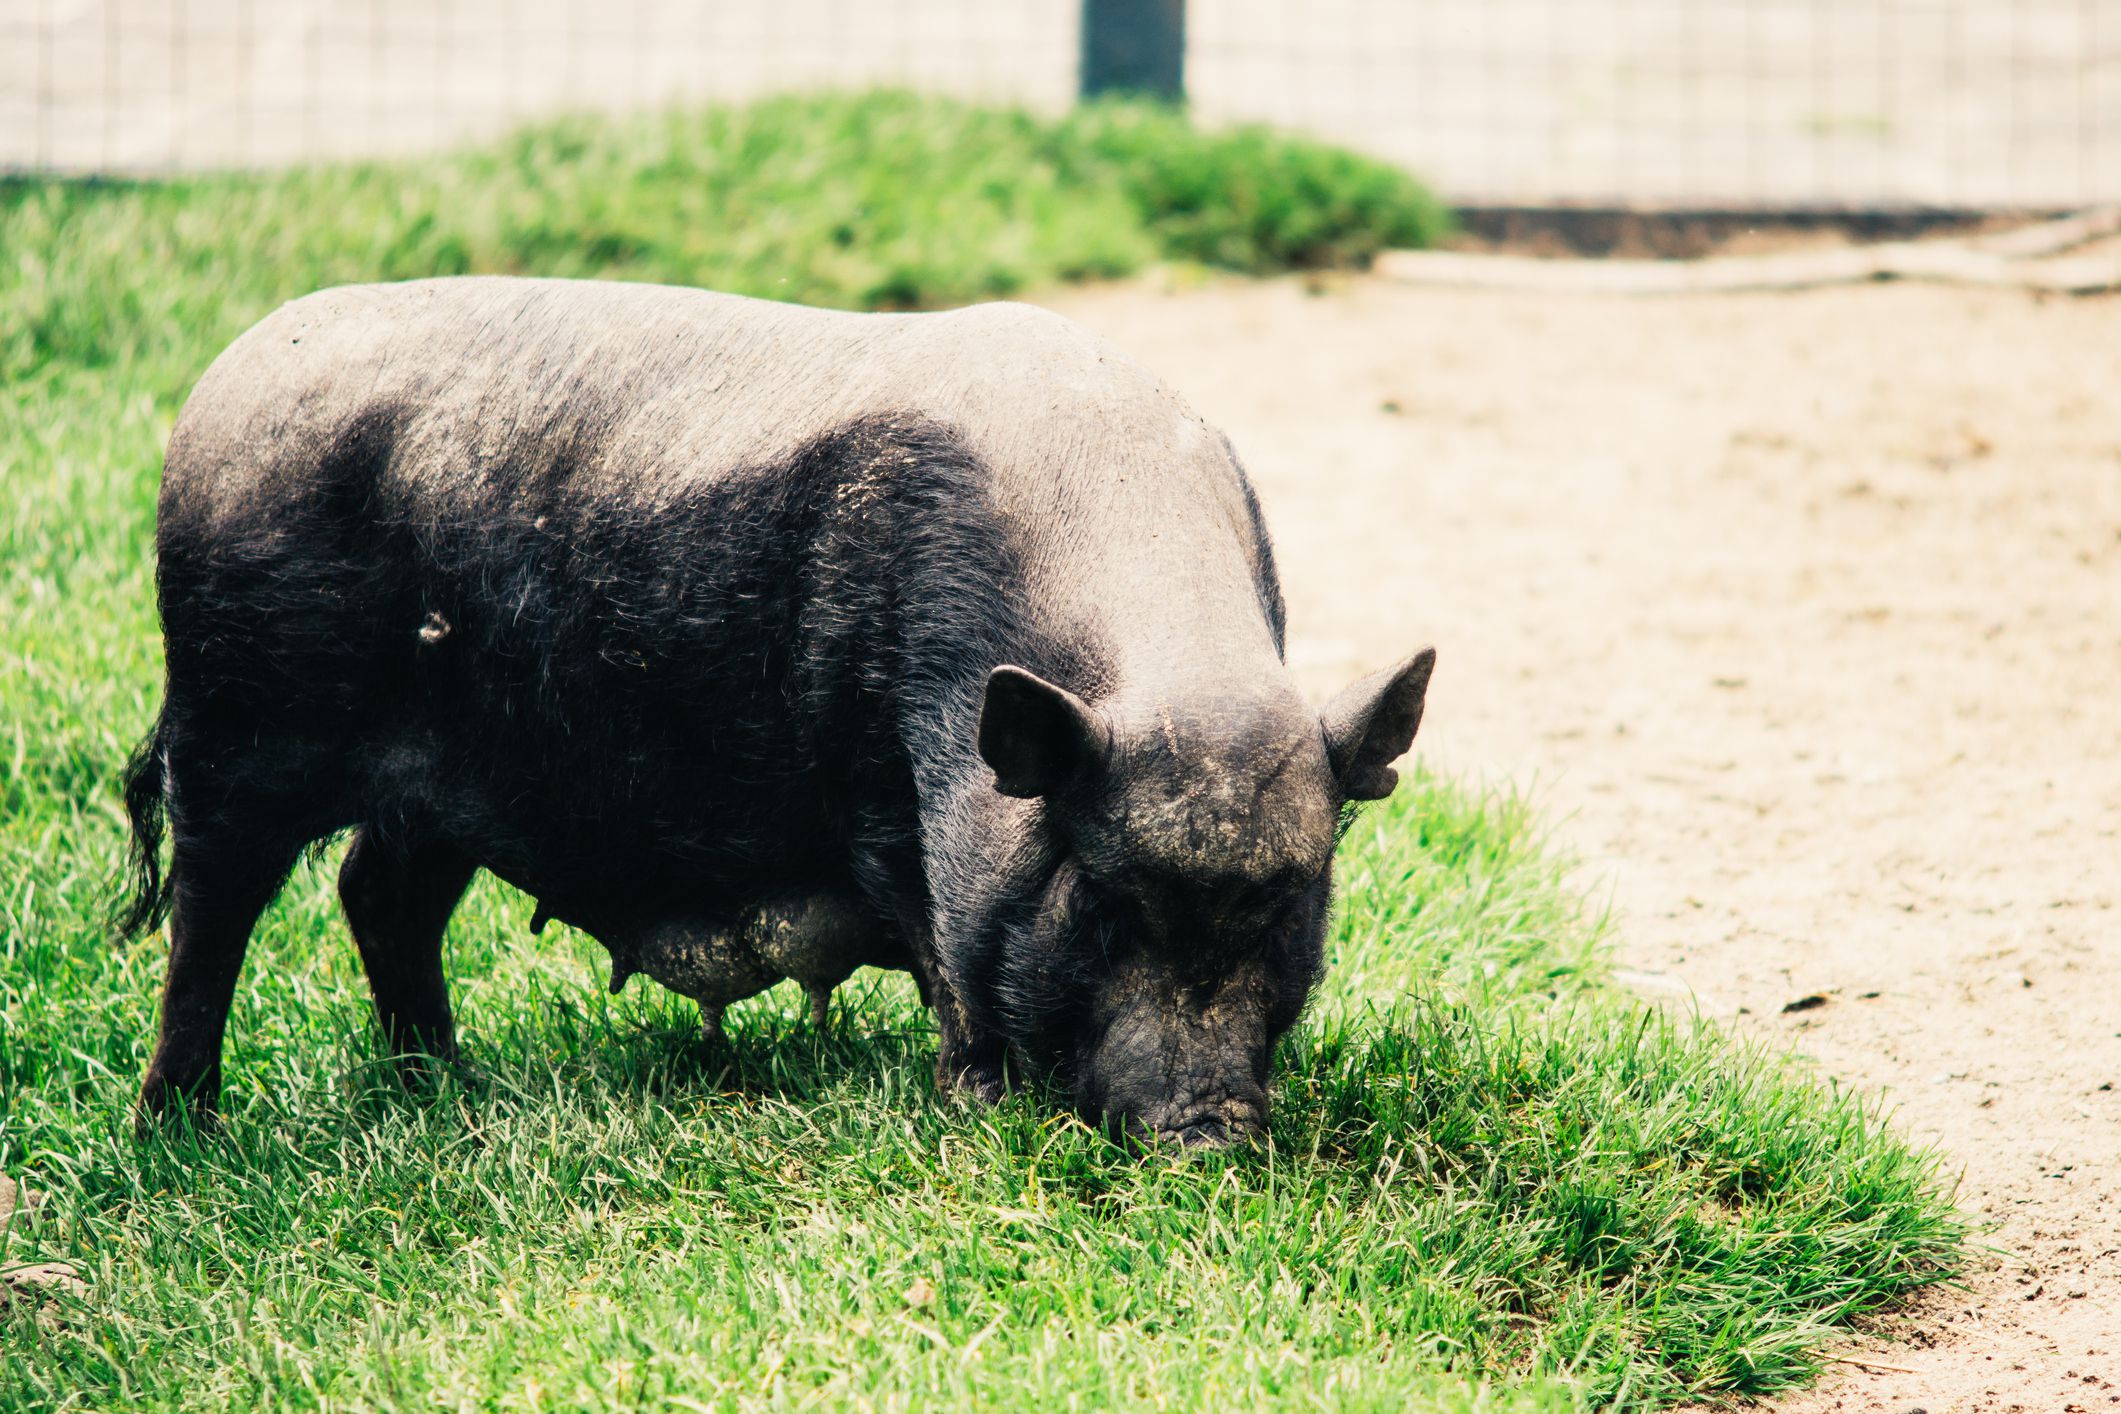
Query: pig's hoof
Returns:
{"type": "Point", "coordinates": [985, 1081]}
{"type": "Point", "coordinates": [424, 1072]}
{"type": "Point", "coordinates": [164, 1110]}
{"type": "Point", "coordinates": [459, 1070]}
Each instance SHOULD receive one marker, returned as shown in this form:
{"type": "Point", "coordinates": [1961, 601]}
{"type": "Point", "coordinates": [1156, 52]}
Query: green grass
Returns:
{"type": "Point", "coordinates": [864, 201]}
{"type": "Point", "coordinates": [1492, 1184]}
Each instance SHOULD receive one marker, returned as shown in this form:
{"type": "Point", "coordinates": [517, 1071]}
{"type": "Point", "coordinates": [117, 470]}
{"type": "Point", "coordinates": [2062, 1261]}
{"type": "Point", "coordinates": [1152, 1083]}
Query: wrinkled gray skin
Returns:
{"type": "Point", "coordinates": [1182, 779]}
{"type": "Point", "coordinates": [818, 940]}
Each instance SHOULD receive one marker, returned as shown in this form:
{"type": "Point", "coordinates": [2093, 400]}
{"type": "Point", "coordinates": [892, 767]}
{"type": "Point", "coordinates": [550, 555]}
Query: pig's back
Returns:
{"type": "Point", "coordinates": [650, 385]}
{"type": "Point", "coordinates": [458, 396]}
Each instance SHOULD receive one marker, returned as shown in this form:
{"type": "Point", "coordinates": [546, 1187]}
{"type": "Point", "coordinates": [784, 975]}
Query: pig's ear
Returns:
{"type": "Point", "coordinates": [1038, 737]}
{"type": "Point", "coordinates": [1372, 723]}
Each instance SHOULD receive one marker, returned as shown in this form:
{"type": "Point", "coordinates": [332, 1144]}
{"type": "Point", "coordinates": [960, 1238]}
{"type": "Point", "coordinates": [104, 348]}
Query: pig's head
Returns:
{"type": "Point", "coordinates": [1176, 923]}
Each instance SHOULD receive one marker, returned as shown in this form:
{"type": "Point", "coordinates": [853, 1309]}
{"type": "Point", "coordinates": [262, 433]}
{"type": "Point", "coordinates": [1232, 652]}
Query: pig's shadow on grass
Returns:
{"type": "Point", "coordinates": [648, 1044]}
{"type": "Point", "coordinates": [1347, 1093]}
{"type": "Point", "coordinates": [772, 1054]}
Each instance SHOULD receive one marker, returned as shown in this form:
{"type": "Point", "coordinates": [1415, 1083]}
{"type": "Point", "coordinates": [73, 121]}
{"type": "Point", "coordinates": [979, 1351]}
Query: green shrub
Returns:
{"type": "Point", "coordinates": [877, 200]}
{"type": "Point", "coordinates": [1250, 198]}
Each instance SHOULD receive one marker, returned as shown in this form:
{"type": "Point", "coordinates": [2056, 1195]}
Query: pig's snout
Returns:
{"type": "Point", "coordinates": [1165, 1069]}
{"type": "Point", "coordinates": [1238, 1115]}
{"type": "Point", "coordinates": [1236, 1124]}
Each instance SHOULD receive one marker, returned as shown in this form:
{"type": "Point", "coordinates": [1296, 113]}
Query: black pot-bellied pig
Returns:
{"type": "Point", "coordinates": [755, 641]}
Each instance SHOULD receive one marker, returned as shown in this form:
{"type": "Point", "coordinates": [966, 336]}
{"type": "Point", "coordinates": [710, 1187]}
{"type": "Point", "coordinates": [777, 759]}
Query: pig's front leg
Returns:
{"type": "Point", "coordinates": [970, 1060]}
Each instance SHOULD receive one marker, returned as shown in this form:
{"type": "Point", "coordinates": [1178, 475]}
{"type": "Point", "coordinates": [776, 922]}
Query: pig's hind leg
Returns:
{"type": "Point", "coordinates": [398, 898]}
{"type": "Point", "coordinates": [234, 834]}
{"type": "Point", "coordinates": [217, 891]}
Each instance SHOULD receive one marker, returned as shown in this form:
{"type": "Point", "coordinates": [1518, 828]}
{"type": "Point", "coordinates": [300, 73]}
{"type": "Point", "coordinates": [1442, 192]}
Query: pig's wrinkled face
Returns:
{"type": "Point", "coordinates": [1179, 925]}
{"type": "Point", "coordinates": [1188, 913]}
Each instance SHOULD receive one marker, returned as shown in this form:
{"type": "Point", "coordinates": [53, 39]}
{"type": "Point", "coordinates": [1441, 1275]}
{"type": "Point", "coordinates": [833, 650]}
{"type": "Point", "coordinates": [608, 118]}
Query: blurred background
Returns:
{"type": "Point", "coordinates": [1703, 104]}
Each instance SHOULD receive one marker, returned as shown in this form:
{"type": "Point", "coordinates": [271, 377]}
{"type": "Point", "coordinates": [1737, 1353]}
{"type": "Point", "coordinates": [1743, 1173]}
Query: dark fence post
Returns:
{"type": "Point", "coordinates": [1134, 46]}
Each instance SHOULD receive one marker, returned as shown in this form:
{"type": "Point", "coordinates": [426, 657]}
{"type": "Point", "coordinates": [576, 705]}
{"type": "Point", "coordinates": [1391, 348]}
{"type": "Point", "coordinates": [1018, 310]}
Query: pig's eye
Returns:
{"type": "Point", "coordinates": [1292, 881]}
{"type": "Point", "coordinates": [1282, 893]}
{"type": "Point", "coordinates": [1088, 915]}
{"type": "Point", "coordinates": [1047, 972]}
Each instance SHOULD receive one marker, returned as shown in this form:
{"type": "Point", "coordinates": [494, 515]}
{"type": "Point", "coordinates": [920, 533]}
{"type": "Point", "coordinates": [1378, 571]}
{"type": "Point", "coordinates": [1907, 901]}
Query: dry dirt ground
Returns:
{"type": "Point", "coordinates": [1802, 616]}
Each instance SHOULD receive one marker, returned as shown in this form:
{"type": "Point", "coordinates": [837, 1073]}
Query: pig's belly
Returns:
{"type": "Point", "coordinates": [816, 939]}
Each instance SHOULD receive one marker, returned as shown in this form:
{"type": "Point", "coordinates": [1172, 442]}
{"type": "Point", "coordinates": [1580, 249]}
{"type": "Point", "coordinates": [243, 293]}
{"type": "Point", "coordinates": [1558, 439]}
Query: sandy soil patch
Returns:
{"type": "Point", "coordinates": [1802, 615]}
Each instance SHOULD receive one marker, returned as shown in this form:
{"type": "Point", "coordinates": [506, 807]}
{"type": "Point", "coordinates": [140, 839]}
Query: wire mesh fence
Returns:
{"type": "Point", "coordinates": [1964, 103]}
{"type": "Point", "coordinates": [1687, 103]}
{"type": "Point", "coordinates": [160, 85]}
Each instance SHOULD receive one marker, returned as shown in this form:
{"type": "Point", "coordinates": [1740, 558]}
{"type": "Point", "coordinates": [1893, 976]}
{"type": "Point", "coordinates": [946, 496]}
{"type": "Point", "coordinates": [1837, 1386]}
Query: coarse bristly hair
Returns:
{"type": "Point", "coordinates": [825, 623]}
{"type": "Point", "coordinates": [855, 695]}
